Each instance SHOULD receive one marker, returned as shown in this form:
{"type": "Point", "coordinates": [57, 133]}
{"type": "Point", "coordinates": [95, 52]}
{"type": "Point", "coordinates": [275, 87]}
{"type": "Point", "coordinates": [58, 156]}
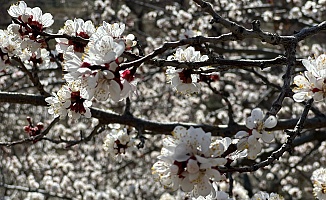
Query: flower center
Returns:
{"type": "Point", "coordinates": [323, 188]}
{"type": "Point", "coordinates": [121, 148]}
{"type": "Point", "coordinates": [185, 76]}
{"type": "Point", "coordinates": [77, 103]}
{"type": "Point", "coordinates": [79, 46]}
{"type": "Point", "coordinates": [259, 126]}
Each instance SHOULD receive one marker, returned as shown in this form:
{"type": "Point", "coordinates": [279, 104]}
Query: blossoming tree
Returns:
{"type": "Point", "coordinates": [165, 100]}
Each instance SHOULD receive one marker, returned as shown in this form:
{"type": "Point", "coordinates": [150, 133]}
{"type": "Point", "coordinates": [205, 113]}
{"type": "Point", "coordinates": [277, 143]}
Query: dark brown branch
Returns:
{"type": "Point", "coordinates": [240, 32]}
{"type": "Point", "coordinates": [107, 117]}
{"type": "Point", "coordinates": [32, 76]}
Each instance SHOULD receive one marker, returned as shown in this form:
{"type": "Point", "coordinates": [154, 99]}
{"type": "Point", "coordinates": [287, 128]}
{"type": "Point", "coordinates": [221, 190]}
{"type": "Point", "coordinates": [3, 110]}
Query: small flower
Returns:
{"type": "Point", "coordinates": [188, 55]}
{"type": "Point", "coordinates": [118, 142]}
{"type": "Point", "coordinates": [103, 50]}
{"type": "Point", "coordinates": [69, 100]}
{"type": "Point", "coordinates": [114, 30]}
{"type": "Point", "coordinates": [250, 140]}
{"type": "Point", "coordinates": [318, 179]}
{"type": "Point", "coordinates": [185, 80]}
{"type": "Point", "coordinates": [316, 66]}
{"type": "Point", "coordinates": [31, 22]}
{"type": "Point", "coordinates": [257, 125]}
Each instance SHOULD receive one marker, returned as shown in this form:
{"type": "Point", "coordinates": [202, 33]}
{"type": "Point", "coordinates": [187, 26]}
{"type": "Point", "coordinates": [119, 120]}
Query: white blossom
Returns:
{"type": "Point", "coordinates": [318, 179]}
{"type": "Point", "coordinates": [31, 15]}
{"type": "Point", "coordinates": [250, 140]}
{"type": "Point", "coordinates": [186, 162]}
{"type": "Point", "coordinates": [118, 142]}
{"type": "Point", "coordinates": [184, 80]}
{"type": "Point", "coordinates": [69, 100]}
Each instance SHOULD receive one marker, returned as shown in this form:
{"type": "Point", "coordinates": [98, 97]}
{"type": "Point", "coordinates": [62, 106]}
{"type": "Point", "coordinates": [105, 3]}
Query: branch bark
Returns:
{"type": "Point", "coordinates": [153, 127]}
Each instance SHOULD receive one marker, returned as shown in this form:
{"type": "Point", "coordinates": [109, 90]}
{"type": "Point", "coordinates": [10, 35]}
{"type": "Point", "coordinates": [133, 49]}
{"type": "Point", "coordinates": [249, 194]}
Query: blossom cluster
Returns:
{"type": "Point", "coordinates": [94, 61]}
{"type": "Point", "coordinates": [256, 124]}
{"type": "Point", "coordinates": [266, 196]}
{"type": "Point", "coordinates": [190, 160]}
{"type": "Point", "coordinates": [92, 57]}
{"type": "Point", "coordinates": [312, 84]}
{"type": "Point", "coordinates": [23, 37]}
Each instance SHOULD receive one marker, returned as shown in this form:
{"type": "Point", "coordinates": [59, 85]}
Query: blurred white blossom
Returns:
{"type": "Point", "coordinates": [318, 179]}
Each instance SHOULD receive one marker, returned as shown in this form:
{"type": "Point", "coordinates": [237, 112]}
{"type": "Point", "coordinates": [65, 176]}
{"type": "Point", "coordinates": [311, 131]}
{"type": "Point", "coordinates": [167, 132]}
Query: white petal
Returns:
{"type": "Point", "coordinates": [270, 122]}
{"type": "Point", "coordinates": [300, 96]}
{"type": "Point", "coordinates": [125, 89]}
{"type": "Point", "coordinates": [242, 144]}
{"type": "Point", "coordinates": [257, 114]}
{"type": "Point", "coordinates": [87, 114]}
{"type": "Point", "coordinates": [250, 122]}
{"type": "Point", "coordinates": [310, 67]}
{"type": "Point", "coordinates": [186, 185]}
{"type": "Point", "coordinates": [318, 96]}
{"type": "Point", "coordinates": [215, 174]}
{"type": "Point", "coordinates": [252, 140]}
{"type": "Point", "coordinates": [192, 166]}
{"type": "Point", "coordinates": [114, 90]}
{"type": "Point", "coordinates": [204, 187]}
{"type": "Point", "coordinates": [267, 136]}
{"type": "Point", "coordinates": [193, 176]}
{"type": "Point", "coordinates": [241, 134]}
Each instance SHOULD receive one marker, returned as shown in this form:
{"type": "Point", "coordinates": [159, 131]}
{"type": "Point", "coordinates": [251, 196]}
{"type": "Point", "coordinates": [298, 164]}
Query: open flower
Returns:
{"type": "Point", "coordinates": [118, 142]}
{"type": "Point", "coordinates": [103, 50]}
{"type": "Point", "coordinates": [256, 124]}
{"type": "Point", "coordinates": [188, 55]}
{"type": "Point", "coordinates": [32, 16]}
{"type": "Point", "coordinates": [187, 162]}
{"type": "Point", "coordinates": [316, 66]}
{"type": "Point", "coordinates": [69, 100]}
{"type": "Point", "coordinates": [185, 80]}
{"type": "Point", "coordinates": [250, 140]}
{"type": "Point", "coordinates": [318, 179]}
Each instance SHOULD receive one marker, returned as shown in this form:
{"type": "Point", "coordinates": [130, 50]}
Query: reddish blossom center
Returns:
{"type": "Point", "coordinates": [79, 46]}
{"type": "Point", "coordinates": [315, 90]}
{"type": "Point", "coordinates": [127, 75]}
{"type": "Point", "coordinates": [185, 76]}
{"type": "Point", "coordinates": [121, 147]}
{"type": "Point", "coordinates": [77, 103]}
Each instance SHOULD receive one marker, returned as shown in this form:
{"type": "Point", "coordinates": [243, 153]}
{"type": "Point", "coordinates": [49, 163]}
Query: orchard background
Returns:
{"type": "Point", "coordinates": [253, 50]}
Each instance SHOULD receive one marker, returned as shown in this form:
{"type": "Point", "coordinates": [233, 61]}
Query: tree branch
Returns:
{"type": "Point", "coordinates": [107, 117]}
